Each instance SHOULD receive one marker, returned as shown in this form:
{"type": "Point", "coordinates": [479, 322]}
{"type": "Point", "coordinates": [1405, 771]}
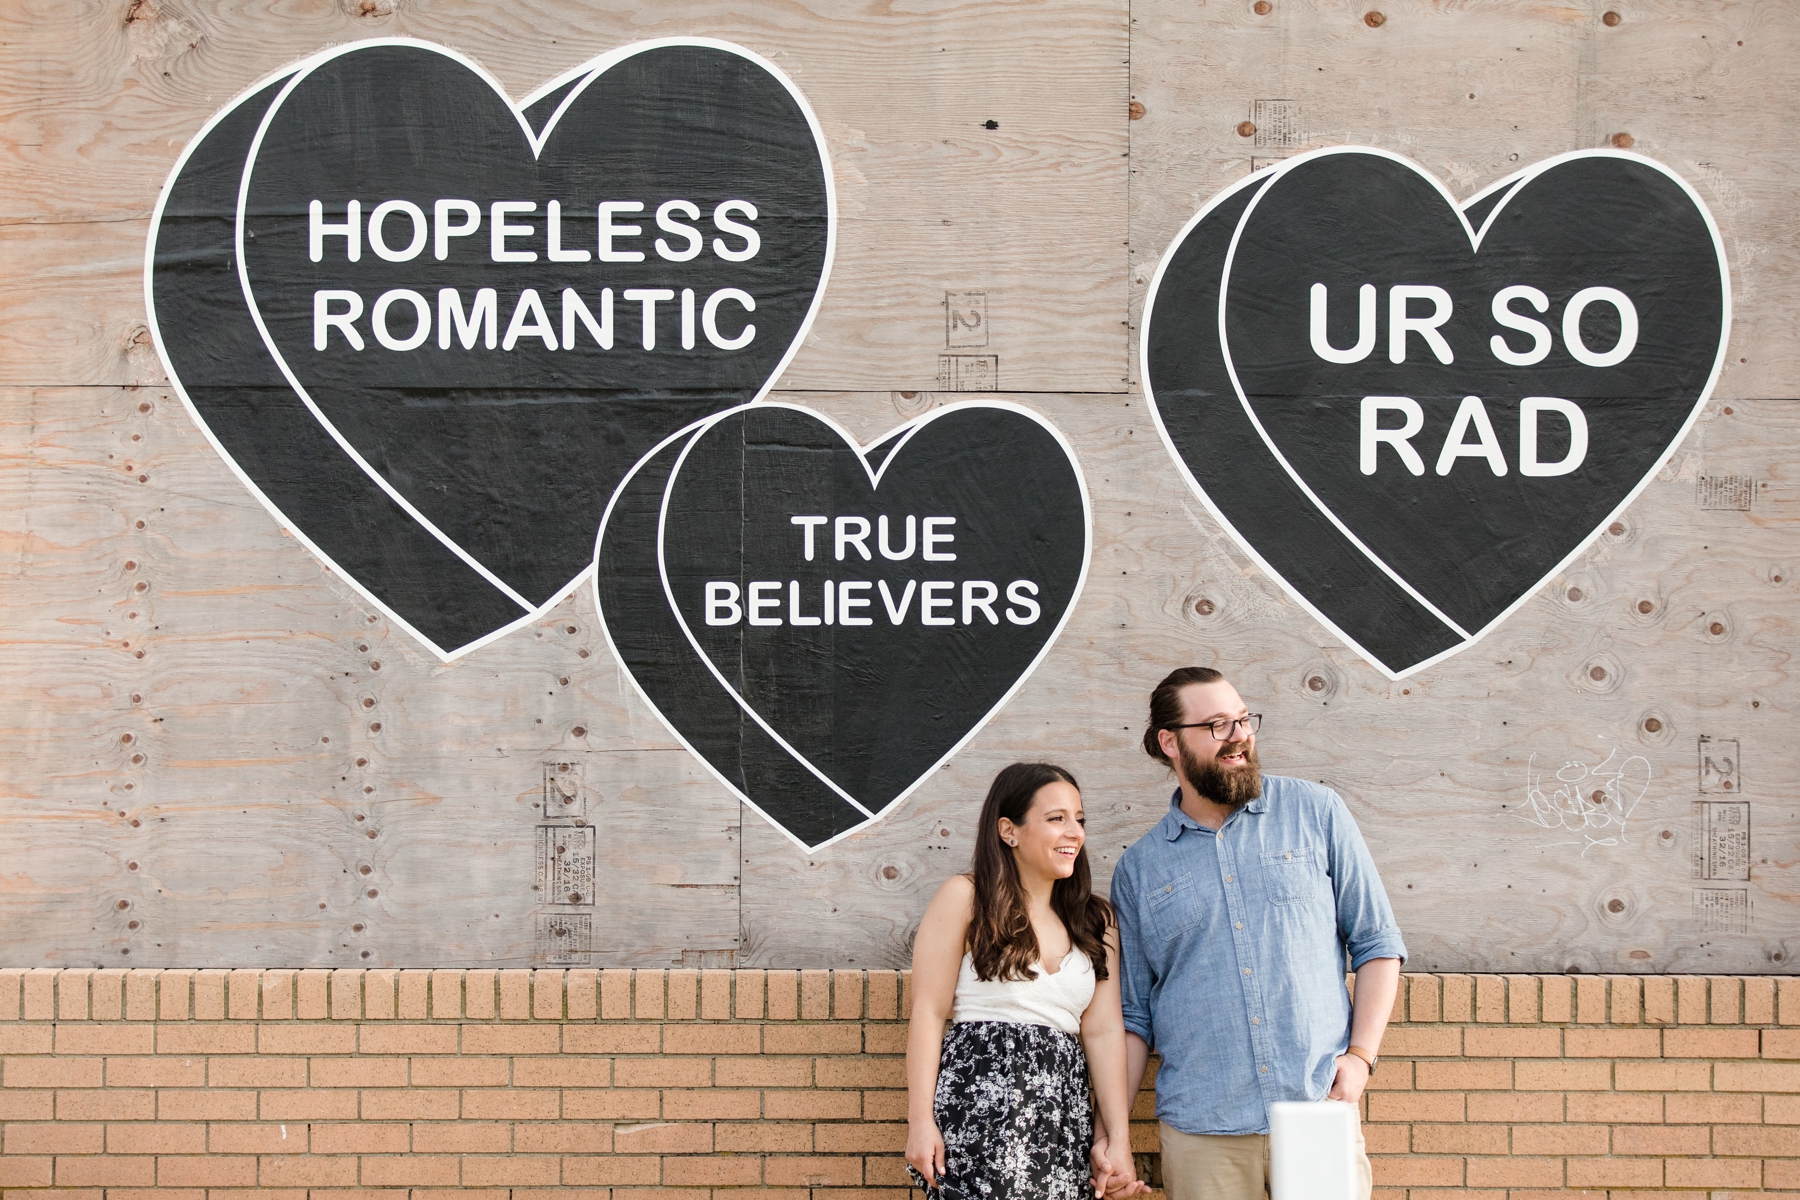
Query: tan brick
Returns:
{"type": "Point", "coordinates": [97, 1104]}
{"type": "Point", "coordinates": [708, 1171]}
{"type": "Point", "coordinates": [106, 993]}
{"type": "Point", "coordinates": [1711, 1043]}
{"type": "Point", "coordinates": [813, 1171]}
{"type": "Point", "coordinates": [277, 1000]}
{"type": "Point", "coordinates": [815, 995]}
{"type": "Point", "coordinates": [511, 1104]}
{"type": "Point", "coordinates": [259, 1072]}
{"type": "Point", "coordinates": [26, 1171]}
{"type": "Point", "coordinates": [1781, 1044]}
{"type": "Point", "coordinates": [464, 1137]}
{"type": "Point", "coordinates": [1726, 1000]}
{"type": "Point", "coordinates": [1377, 1139]}
{"type": "Point", "coordinates": [1484, 1076]}
{"type": "Point", "coordinates": [152, 1137]}
{"type": "Point", "coordinates": [412, 995]}
{"type": "Point", "coordinates": [205, 1039]}
{"type": "Point", "coordinates": [611, 1104]}
{"type": "Point", "coordinates": [859, 1072]}
{"type": "Point", "coordinates": [683, 994]}
{"type": "Point", "coordinates": [880, 1171]}
{"type": "Point", "coordinates": [1782, 1173]}
{"type": "Point", "coordinates": [1515, 1172]}
{"type": "Point", "coordinates": [447, 995]}
{"type": "Point", "coordinates": [1659, 1000]}
{"type": "Point", "coordinates": [1690, 999]}
{"type": "Point", "coordinates": [1547, 1140]}
{"type": "Point", "coordinates": [1394, 1076]}
{"type": "Point", "coordinates": [1759, 1000]}
{"type": "Point", "coordinates": [95, 1039]}
{"type": "Point", "coordinates": [411, 1169]}
{"type": "Point", "coordinates": [306, 1170]}
{"type": "Point", "coordinates": [812, 1039]}
{"type": "Point", "coordinates": [711, 1039]}
{"type": "Point", "coordinates": [712, 1104]}
{"type": "Point", "coordinates": [307, 1104]}
{"type": "Point", "coordinates": [243, 995]}
{"type": "Point", "coordinates": [347, 994]}
{"type": "Point", "coordinates": [360, 1137]}
{"type": "Point", "coordinates": [213, 1104]}
{"type": "Point", "coordinates": [72, 993]}
{"type": "Point", "coordinates": [1414, 1170]}
{"type": "Point", "coordinates": [51, 1072]}
{"type": "Point", "coordinates": [1777, 1110]}
{"type": "Point", "coordinates": [1522, 999]}
{"type": "Point", "coordinates": [1590, 999]}
{"type": "Point", "coordinates": [891, 1039]}
{"type": "Point", "coordinates": [1613, 1043]}
{"type": "Point", "coordinates": [547, 994]}
{"type": "Point", "coordinates": [1662, 1076]}
{"type": "Point", "coordinates": [1614, 1108]}
{"type": "Point", "coordinates": [140, 995]}
{"type": "Point", "coordinates": [662, 1072]}
{"type": "Point", "coordinates": [1415, 1106]}
{"type": "Point", "coordinates": [884, 995]}
{"type": "Point", "coordinates": [763, 1137]}
{"type": "Point", "coordinates": [1713, 1173]}
{"type": "Point", "coordinates": [649, 995]}
{"type": "Point", "coordinates": [240, 1137]}
{"type": "Point", "coordinates": [1615, 1172]}
{"type": "Point", "coordinates": [1768, 1141]}
{"type": "Point", "coordinates": [149, 1072]}
{"type": "Point", "coordinates": [562, 1071]}
{"type": "Point", "coordinates": [562, 1137]}
{"type": "Point", "coordinates": [1424, 1041]}
{"type": "Point", "coordinates": [1714, 1108]}
{"type": "Point", "coordinates": [510, 1039]}
{"type": "Point", "coordinates": [615, 994]}
{"type": "Point", "coordinates": [891, 1106]}
{"type": "Point", "coordinates": [1660, 1139]}
{"type": "Point", "coordinates": [612, 1170]}
{"type": "Point", "coordinates": [312, 995]}
{"type": "Point", "coordinates": [615, 1039]}
{"type": "Point", "coordinates": [1459, 1139]}
{"type": "Point", "coordinates": [1532, 1041]}
{"type": "Point", "coordinates": [1458, 998]}
{"type": "Point", "coordinates": [1728, 1077]}
{"type": "Point", "coordinates": [1627, 999]}
{"type": "Point", "coordinates": [409, 1104]}
{"type": "Point", "coordinates": [174, 992]}
{"type": "Point", "coordinates": [356, 1072]}
{"type": "Point", "coordinates": [783, 989]}
{"type": "Point", "coordinates": [461, 1072]}
{"type": "Point", "coordinates": [508, 1170]}
{"type": "Point", "coordinates": [751, 988]}
{"type": "Point", "coordinates": [1515, 1106]}
{"type": "Point", "coordinates": [1422, 998]}
{"type": "Point", "coordinates": [27, 1039]}
{"type": "Point", "coordinates": [582, 986]}
{"type": "Point", "coordinates": [1558, 998]}
{"type": "Point", "coordinates": [106, 1171]}
{"type": "Point", "coordinates": [304, 1040]}
{"type": "Point", "coordinates": [663, 1137]}
{"type": "Point", "coordinates": [10, 980]}
{"type": "Point", "coordinates": [1490, 998]}
{"type": "Point", "coordinates": [209, 994]}
{"type": "Point", "coordinates": [480, 995]}
{"type": "Point", "coordinates": [1562, 1076]}
{"type": "Point", "coordinates": [55, 1138]}
{"type": "Point", "coordinates": [811, 1105]}
{"type": "Point", "coordinates": [565, 1193]}
{"type": "Point", "coordinates": [208, 1170]}
{"type": "Point", "coordinates": [404, 1039]}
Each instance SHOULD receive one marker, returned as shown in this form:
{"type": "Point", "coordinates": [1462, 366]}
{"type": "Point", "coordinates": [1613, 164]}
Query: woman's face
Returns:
{"type": "Point", "coordinates": [1047, 842]}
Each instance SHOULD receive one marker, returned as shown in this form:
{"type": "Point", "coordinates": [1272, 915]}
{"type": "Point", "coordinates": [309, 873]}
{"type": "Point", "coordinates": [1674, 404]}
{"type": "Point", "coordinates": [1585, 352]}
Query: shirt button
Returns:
{"type": "Point", "coordinates": [1287, 856]}
{"type": "Point", "coordinates": [1239, 925]}
{"type": "Point", "coordinates": [1256, 1020]}
{"type": "Point", "coordinates": [1170, 888]}
{"type": "Point", "coordinates": [1246, 970]}
{"type": "Point", "coordinates": [1228, 879]}
{"type": "Point", "coordinates": [1264, 1070]}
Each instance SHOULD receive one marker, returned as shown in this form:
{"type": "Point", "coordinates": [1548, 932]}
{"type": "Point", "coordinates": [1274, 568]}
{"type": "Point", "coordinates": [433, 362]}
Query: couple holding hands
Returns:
{"type": "Point", "coordinates": [1224, 948]}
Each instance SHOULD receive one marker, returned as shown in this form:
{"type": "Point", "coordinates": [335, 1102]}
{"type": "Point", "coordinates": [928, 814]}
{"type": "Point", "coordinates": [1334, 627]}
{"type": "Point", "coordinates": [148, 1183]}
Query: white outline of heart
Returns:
{"type": "Point", "coordinates": [904, 431]}
{"type": "Point", "coordinates": [1508, 184]}
{"type": "Point", "coordinates": [292, 74]}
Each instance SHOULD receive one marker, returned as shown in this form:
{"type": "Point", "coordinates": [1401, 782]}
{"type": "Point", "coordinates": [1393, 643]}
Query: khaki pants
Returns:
{"type": "Point", "coordinates": [1230, 1166]}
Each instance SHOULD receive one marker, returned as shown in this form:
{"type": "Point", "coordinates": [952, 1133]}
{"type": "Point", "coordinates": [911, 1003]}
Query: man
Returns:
{"type": "Point", "coordinates": [1235, 913]}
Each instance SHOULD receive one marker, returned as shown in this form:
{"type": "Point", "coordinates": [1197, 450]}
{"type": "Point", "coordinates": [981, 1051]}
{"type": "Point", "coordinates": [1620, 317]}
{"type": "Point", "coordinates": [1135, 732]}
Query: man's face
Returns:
{"type": "Point", "coordinates": [1224, 770]}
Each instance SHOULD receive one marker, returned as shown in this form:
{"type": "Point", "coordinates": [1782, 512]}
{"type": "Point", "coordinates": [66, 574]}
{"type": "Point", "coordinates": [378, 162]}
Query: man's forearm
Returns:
{"type": "Point", "coordinates": [1137, 1061]}
{"type": "Point", "coordinates": [1377, 983]}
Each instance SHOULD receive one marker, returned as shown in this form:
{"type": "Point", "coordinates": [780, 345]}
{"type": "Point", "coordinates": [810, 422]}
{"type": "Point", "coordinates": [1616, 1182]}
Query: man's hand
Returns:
{"type": "Point", "coordinates": [1351, 1078]}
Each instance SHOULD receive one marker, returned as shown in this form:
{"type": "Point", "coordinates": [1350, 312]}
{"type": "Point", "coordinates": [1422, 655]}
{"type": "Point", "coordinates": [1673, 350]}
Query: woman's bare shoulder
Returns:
{"type": "Point", "coordinates": [957, 894]}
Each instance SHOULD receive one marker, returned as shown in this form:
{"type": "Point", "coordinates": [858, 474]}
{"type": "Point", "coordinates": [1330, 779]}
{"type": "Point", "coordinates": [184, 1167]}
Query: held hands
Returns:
{"type": "Point", "coordinates": [1352, 1077]}
{"type": "Point", "coordinates": [925, 1150]}
{"type": "Point", "coordinates": [1115, 1177]}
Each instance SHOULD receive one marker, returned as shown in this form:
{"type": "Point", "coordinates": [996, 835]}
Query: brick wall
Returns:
{"type": "Point", "coordinates": [668, 1084]}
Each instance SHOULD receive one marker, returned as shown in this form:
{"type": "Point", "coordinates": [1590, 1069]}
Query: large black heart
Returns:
{"type": "Point", "coordinates": [1408, 548]}
{"type": "Point", "coordinates": [459, 487]}
{"type": "Point", "coordinates": [825, 724]}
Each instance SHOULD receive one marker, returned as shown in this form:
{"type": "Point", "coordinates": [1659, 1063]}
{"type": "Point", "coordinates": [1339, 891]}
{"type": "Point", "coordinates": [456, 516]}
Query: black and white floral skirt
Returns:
{"type": "Point", "coordinates": [1012, 1105]}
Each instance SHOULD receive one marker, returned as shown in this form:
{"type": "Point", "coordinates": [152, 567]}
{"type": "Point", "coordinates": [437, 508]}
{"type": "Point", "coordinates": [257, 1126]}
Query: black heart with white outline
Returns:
{"type": "Point", "coordinates": [457, 480]}
{"type": "Point", "coordinates": [1413, 413]}
{"type": "Point", "coordinates": [824, 625]}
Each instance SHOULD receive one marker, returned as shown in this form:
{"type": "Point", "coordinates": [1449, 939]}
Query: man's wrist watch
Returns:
{"type": "Point", "coordinates": [1371, 1059]}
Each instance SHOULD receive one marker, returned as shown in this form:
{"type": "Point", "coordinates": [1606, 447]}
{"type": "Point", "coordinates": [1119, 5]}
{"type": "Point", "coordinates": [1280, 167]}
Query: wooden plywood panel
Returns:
{"type": "Point", "coordinates": [1030, 212]}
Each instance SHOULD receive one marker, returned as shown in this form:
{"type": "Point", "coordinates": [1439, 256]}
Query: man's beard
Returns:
{"type": "Point", "coordinates": [1230, 786]}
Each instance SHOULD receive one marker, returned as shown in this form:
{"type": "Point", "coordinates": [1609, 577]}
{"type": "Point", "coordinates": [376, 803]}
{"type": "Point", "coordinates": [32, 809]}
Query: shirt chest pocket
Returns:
{"type": "Point", "coordinates": [1175, 906]}
{"type": "Point", "coordinates": [1294, 876]}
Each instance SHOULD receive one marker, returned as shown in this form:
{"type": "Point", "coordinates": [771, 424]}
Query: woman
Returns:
{"type": "Point", "coordinates": [1022, 960]}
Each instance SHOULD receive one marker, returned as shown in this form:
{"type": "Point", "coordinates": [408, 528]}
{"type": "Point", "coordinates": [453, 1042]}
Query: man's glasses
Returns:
{"type": "Point", "coordinates": [1223, 730]}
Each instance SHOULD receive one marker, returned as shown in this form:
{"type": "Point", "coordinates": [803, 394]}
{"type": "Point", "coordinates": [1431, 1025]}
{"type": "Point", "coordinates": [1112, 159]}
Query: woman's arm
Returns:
{"type": "Point", "coordinates": [937, 958]}
{"type": "Point", "coordinates": [1103, 1037]}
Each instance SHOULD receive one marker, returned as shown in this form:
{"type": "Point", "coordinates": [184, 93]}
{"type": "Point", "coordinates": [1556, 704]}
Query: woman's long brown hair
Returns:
{"type": "Point", "coordinates": [1001, 939]}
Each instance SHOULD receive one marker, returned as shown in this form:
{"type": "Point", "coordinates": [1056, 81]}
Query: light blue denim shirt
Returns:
{"type": "Point", "coordinates": [1233, 948]}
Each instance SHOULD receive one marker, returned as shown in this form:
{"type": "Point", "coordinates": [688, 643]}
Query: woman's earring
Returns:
{"type": "Point", "coordinates": [1012, 843]}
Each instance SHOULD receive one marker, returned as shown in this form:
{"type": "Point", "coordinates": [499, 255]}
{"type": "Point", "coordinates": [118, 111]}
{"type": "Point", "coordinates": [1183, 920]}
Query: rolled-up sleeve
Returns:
{"type": "Point", "coordinates": [1134, 967]}
{"type": "Point", "coordinates": [1365, 919]}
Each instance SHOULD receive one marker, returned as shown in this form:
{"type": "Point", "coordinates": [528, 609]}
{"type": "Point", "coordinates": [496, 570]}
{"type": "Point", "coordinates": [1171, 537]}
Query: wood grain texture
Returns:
{"type": "Point", "coordinates": [197, 696]}
{"type": "Point", "coordinates": [1031, 212]}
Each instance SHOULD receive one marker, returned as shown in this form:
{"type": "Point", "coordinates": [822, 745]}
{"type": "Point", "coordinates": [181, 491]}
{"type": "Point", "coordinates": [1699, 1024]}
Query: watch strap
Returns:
{"type": "Point", "coordinates": [1371, 1059]}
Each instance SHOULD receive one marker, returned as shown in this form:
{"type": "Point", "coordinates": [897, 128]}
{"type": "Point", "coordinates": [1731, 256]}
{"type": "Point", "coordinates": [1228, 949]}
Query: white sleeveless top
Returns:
{"type": "Point", "coordinates": [1055, 1000]}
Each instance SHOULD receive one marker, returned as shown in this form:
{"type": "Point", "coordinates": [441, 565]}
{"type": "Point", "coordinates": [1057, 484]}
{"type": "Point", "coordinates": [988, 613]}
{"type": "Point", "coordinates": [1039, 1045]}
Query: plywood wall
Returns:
{"type": "Point", "coordinates": [212, 752]}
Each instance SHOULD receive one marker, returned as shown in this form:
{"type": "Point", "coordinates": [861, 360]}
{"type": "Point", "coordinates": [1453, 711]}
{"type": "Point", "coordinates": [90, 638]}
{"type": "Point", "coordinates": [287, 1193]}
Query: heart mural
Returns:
{"type": "Point", "coordinates": [823, 625]}
{"type": "Point", "coordinates": [432, 330]}
{"type": "Point", "coordinates": [1412, 412]}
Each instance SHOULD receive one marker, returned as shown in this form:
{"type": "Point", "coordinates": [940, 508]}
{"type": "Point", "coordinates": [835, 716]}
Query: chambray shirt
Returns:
{"type": "Point", "coordinates": [1233, 948]}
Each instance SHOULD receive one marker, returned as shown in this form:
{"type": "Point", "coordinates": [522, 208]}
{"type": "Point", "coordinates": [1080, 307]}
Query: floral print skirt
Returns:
{"type": "Point", "coordinates": [1012, 1106]}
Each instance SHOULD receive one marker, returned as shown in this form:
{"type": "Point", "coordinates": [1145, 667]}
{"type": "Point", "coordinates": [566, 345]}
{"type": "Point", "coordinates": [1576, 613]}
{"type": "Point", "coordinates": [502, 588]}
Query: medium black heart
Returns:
{"type": "Point", "coordinates": [914, 655]}
{"type": "Point", "coordinates": [509, 455]}
{"type": "Point", "coordinates": [1453, 553]}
